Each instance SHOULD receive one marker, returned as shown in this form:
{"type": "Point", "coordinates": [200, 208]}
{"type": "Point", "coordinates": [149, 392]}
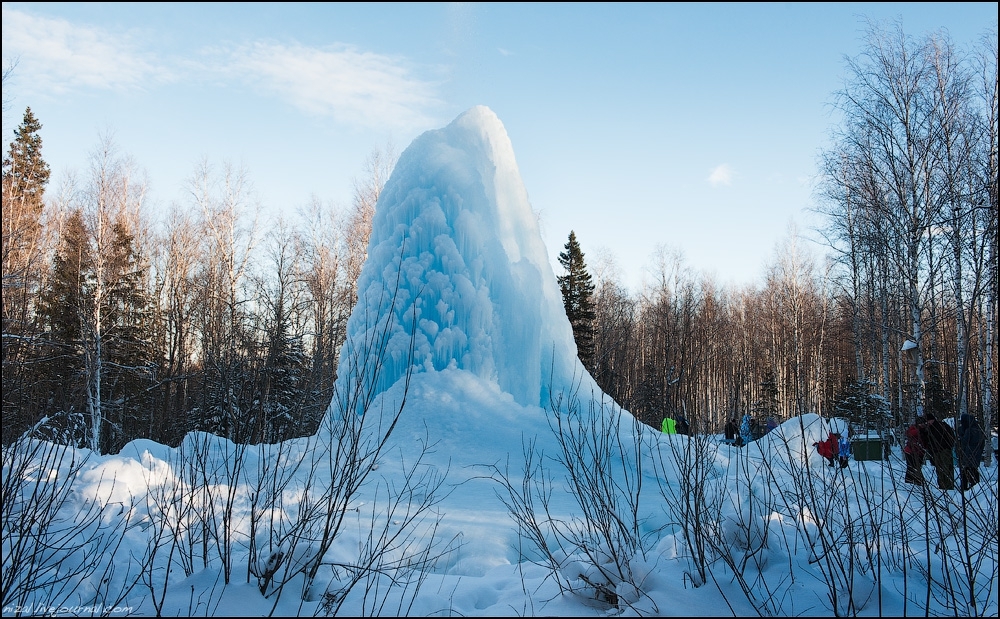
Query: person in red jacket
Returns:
{"type": "Point", "coordinates": [914, 451]}
{"type": "Point", "coordinates": [830, 448]}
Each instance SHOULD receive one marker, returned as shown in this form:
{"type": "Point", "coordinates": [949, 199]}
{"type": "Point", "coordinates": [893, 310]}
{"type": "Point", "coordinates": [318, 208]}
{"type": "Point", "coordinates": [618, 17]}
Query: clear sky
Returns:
{"type": "Point", "coordinates": [691, 126]}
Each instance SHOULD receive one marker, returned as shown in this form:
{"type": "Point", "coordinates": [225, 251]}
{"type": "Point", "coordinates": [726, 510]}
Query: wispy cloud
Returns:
{"type": "Point", "coordinates": [721, 175]}
{"type": "Point", "coordinates": [352, 85]}
{"type": "Point", "coordinates": [59, 56]}
{"type": "Point", "coordinates": [341, 81]}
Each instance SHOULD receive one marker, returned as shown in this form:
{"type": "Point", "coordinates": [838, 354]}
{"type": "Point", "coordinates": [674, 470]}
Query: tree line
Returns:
{"type": "Point", "coordinates": [115, 328]}
{"type": "Point", "coordinates": [902, 316]}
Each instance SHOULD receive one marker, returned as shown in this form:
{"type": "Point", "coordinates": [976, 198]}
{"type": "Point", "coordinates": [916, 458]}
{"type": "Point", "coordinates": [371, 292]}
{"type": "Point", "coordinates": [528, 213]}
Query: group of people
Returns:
{"type": "Point", "coordinates": [675, 426]}
{"type": "Point", "coordinates": [748, 430]}
{"type": "Point", "coordinates": [929, 438]}
{"type": "Point", "coordinates": [835, 448]}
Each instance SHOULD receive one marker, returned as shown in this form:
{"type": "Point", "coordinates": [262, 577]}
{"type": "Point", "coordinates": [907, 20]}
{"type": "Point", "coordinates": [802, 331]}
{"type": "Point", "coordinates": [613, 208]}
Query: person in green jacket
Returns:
{"type": "Point", "coordinates": [669, 426]}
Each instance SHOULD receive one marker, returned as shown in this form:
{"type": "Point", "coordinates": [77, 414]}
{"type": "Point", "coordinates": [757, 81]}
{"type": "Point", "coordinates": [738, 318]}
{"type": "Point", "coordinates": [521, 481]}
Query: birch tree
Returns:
{"type": "Point", "coordinates": [229, 218]}
{"type": "Point", "coordinates": [889, 124]}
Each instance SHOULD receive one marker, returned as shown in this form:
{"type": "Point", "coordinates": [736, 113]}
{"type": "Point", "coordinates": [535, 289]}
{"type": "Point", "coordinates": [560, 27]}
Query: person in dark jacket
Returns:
{"type": "Point", "coordinates": [682, 425]}
{"type": "Point", "coordinates": [970, 446]}
{"type": "Point", "coordinates": [731, 430]}
{"type": "Point", "coordinates": [914, 452]}
{"type": "Point", "coordinates": [939, 439]}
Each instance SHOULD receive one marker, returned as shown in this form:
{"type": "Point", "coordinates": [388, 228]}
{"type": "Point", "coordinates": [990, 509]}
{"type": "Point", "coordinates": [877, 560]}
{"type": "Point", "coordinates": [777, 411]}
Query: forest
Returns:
{"type": "Point", "coordinates": [118, 324]}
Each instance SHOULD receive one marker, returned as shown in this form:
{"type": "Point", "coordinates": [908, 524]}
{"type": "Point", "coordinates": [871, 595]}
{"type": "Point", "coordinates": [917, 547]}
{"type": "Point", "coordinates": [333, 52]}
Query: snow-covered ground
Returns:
{"type": "Point", "coordinates": [782, 533]}
{"type": "Point", "coordinates": [469, 466]}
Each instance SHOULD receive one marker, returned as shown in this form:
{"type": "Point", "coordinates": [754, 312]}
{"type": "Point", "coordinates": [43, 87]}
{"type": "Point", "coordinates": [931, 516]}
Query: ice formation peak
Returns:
{"type": "Point", "coordinates": [457, 275]}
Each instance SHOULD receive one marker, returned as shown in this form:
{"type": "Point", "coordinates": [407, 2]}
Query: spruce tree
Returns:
{"type": "Point", "coordinates": [284, 375]}
{"type": "Point", "coordinates": [117, 345]}
{"type": "Point", "coordinates": [25, 175]}
{"type": "Point", "coordinates": [860, 404]}
{"type": "Point", "coordinates": [767, 405]}
{"type": "Point", "coordinates": [131, 356]}
{"type": "Point", "coordinates": [937, 400]}
{"type": "Point", "coordinates": [577, 289]}
{"type": "Point", "coordinates": [64, 300]}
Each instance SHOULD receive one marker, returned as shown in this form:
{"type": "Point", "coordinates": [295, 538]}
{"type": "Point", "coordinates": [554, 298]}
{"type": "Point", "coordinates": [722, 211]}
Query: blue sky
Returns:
{"type": "Point", "coordinates": [691, 126]}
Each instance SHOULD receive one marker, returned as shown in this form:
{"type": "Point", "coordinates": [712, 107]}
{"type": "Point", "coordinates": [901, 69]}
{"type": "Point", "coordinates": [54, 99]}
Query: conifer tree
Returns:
{"type": "Point", "coordinates": [115, 325]}
{"type": "Point", "coordinates": [767, 405]}
{"type": "Point", "coordinates": [97, 311]}
{"type": "Point", "coordinates": [577, 287]}
{"type": "Point", "coordinates": [938, 400]}
{"type": "Point", "coordinates": [285, 367]}
{"type": "Point", "coordinates": [63, 301]}
{"type": "Point", "coordinates": [862, 406]}
{"type": "Point", "coordinates": [130, 353]}
{"type": "Point", "coordinates": [25, 175]}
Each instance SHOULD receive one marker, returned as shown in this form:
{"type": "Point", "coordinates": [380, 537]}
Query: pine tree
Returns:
{"type": "Point", "coordinates": [937, 400]}
{"type": "Point", "coordinates": [577, 289]}
{"type": "Point", "coordinates": [285, 368]}
{"type": "Point", "coordinates": [130, 353]}
{"type": "Point", "coordinates": [767, 405]}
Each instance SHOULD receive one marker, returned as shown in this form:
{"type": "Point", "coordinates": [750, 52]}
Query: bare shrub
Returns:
{"type": "Point", "coordinates": [691, 491]}
{"type": "Point", "coordinates": [600, 554]}
{"type": "Point", "coordinates": [398, 544]}
{"type": "Point", "coordinates": [59, 549]}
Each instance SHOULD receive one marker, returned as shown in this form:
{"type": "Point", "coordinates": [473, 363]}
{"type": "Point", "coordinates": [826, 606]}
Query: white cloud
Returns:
{"type": "Point", "coordinates": [721, 175]}
{"type": "Point", "coordinates": [351, 85]}
{"type": "Point", "coordinates": [57, 56]}
{"type": "Point", "coordinates": [342, 81]}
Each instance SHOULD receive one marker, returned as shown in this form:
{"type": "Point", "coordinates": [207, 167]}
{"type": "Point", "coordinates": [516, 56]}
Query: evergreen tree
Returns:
{"type": "Point", "coordinates": [25, 175]}
{"type": "Point", "coordinates": [767, 405]}
{"type": "Point", "coordinates": [130, 353]}
{"type": "Point", "coordinates": [862, 406]}
{"type": "Point", "coordinates": [577, 289]}
{"type": "Point", "coordinates": [117, 345]}
{"type": "Point", "coordinates": [63, 301]}
{"type": "Point", "coordinates": [938, 400]}
{"type": "Point", "coordinates": [64, 298]}
{"type": "Point", "coordinates": [285, 370]}
{"type": "Point", "coordinates": [649, 402]}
